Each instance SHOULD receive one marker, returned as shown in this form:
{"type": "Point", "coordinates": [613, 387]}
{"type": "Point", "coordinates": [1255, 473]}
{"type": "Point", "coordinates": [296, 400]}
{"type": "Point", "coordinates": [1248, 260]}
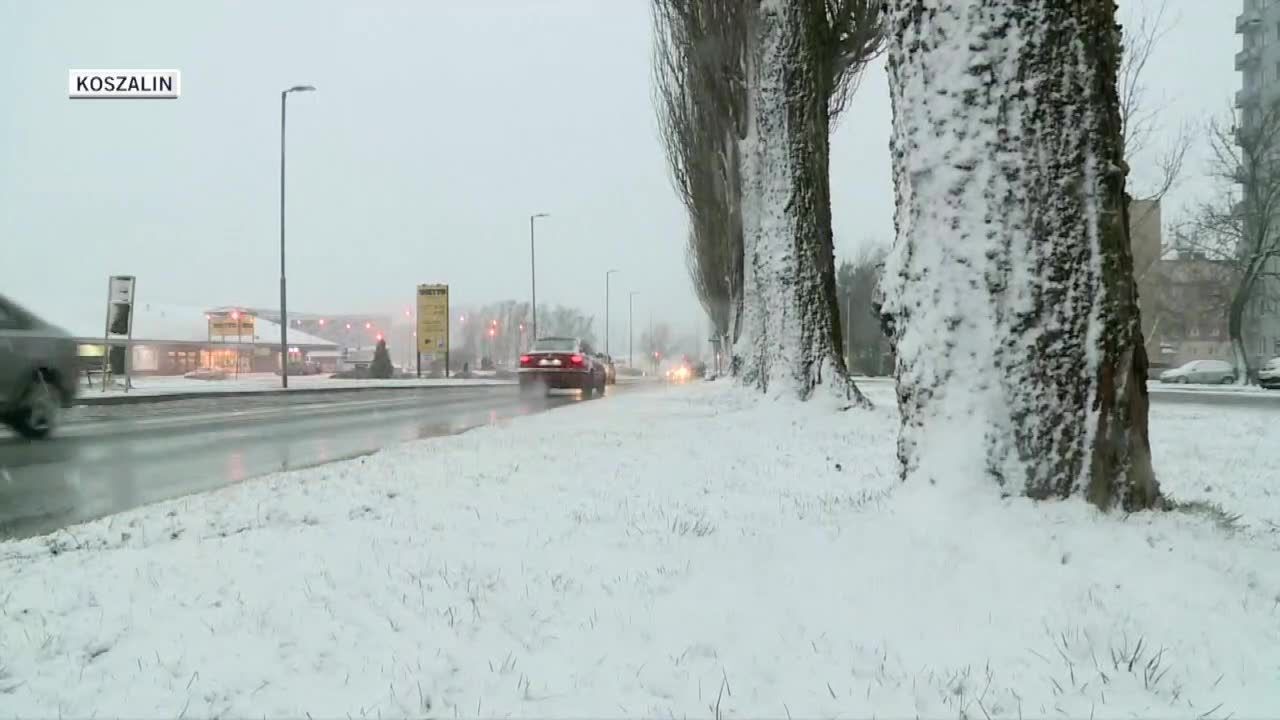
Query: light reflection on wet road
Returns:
{"type": "Point", "coordinates": [107, 460]}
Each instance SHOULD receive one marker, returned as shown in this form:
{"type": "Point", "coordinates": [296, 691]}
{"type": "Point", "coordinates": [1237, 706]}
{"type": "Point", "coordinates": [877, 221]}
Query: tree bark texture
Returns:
{"type": "Point", "coordinates": [1009, 293]}
{"type": "Point", "coordinates": [790, 336]}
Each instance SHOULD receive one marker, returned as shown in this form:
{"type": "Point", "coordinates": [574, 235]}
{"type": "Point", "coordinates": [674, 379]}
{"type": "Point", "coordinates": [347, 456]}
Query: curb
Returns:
{"type": "Point", "coordinates": [89, 400]}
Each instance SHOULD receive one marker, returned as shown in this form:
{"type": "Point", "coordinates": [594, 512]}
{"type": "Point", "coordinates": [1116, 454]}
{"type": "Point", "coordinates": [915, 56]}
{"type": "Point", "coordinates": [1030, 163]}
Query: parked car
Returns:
{"type": "Point", "coordinates": [1215, 372]}
{"type": "Point", "coordinates": [562, 363]}
{"type": "Point", "coordinates": [38, 371]}
{"type": "Point", "coordinates": [1269, 375]}
{"type": "Point", "coordinates": [610, 372]}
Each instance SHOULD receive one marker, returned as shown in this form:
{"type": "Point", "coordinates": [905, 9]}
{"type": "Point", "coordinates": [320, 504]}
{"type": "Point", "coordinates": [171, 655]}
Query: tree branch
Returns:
{"type": "Point", "coordinates": [856, 35]}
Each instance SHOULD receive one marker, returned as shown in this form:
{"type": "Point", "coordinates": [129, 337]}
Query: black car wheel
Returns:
{"type": "Point", "coordinates": [38, 410]}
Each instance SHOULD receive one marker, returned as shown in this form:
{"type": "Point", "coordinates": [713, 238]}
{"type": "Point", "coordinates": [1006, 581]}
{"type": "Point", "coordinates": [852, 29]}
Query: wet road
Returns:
{"type": "Point", "coordinates": [112, 458]}
{"type": "Point", "coordinates": [1210, 395]}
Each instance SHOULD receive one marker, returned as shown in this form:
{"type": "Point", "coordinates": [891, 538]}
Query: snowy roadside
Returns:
{"type": "Point", "coordinates": [1153, 386]}
{"type": "Point", "coordinates": [688, 550]}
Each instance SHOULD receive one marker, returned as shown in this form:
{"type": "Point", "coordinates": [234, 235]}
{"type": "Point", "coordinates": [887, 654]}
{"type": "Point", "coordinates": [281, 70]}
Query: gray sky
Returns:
{"type": "Point", "coordinates": [438, 127]}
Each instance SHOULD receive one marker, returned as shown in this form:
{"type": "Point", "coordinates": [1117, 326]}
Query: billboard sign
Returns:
{"type": "Point", "coordinates": [120, 294]}
{"type": "Point", "coordinates": [229, 326]}
{"type": "Point", "coordinates": [120, 305]}
{"type": "Point", "coordinates": [433, 319]}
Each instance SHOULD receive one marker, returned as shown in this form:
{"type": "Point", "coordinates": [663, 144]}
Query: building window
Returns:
{"type": "Point", "coordinates": [1195, 331]}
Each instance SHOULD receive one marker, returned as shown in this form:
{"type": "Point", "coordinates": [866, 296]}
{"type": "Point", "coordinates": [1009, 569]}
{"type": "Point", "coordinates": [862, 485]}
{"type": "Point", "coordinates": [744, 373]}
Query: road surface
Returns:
{"type": "Point", "coordinates": [108, 459]}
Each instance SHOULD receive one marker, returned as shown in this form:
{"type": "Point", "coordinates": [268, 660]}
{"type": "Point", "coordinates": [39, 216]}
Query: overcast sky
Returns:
{"type": "Point", "coordinates": [438, 127]}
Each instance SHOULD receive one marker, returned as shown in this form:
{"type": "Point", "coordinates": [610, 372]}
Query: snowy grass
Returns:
{"type": "Point", "coordinates": [683, 552]}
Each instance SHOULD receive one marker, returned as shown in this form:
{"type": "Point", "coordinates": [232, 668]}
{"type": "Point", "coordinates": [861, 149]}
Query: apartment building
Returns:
{"type": "Point", "coordinates": [1258, 62]}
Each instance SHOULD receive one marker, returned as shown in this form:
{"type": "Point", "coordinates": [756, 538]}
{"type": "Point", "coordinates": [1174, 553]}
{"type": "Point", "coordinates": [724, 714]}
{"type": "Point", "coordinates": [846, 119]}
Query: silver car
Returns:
{"type": "Point", "coordinates": [38, 371]}
{"type": "Point", "coordinates": [1213, 372]}
{"type": "Point", "coordinates": [1269, 375]}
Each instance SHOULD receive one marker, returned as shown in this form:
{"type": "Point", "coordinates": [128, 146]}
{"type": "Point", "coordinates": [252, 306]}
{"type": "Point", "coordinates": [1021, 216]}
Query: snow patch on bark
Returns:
{"type": "Point", "coordinates": [994, 281]}
{"type": "Point", "coordinates": [787, 343]}
{"type": "Point", "coordinates": [771, 337]}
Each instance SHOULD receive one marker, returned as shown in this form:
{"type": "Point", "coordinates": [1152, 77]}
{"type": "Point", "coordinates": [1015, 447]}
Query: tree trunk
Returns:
{"type": "Point", "coordinates": [1235, 326]}
{"type": "Point", "coordinates": [733, 193]}
{"type": "Point", "coordinates": [790, 336]}
{"type": "Point", "coordinates": [1009, 293]}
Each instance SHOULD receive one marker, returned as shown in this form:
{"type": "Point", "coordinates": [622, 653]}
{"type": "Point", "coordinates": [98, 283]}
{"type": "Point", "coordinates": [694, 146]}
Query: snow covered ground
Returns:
{"type": "Point", "coordinates": [1154, 386]}
{"type": "Point", "coordinates": [267, 382]}
{"type": "Point", "coordinates": [684, 551]}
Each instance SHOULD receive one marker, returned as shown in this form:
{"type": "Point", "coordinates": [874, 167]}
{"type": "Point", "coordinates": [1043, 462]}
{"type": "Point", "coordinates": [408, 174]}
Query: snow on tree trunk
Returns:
{"type": "Point", "coordinates": [789, 339]}
{"type": "Point", "coordinates": [1010, 290]}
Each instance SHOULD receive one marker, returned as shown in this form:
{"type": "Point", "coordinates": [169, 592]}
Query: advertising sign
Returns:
{"type": "Point", "coordinates": [122, 289]}
{"type": "Point", "coordinates": [226, 326]}
{"type": "Point", "coordinates": [433, 320]}
{"type": "Point", "coordinates": [120, 292]}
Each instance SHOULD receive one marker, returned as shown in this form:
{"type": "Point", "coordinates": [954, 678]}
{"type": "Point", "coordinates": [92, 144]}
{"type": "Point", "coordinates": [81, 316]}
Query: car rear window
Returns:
{"type": "Point", "coordinates": [555, 345]}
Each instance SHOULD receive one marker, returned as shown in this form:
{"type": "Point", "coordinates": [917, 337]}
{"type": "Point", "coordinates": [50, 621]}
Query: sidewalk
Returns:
{"type": "Point", "coordinates": [691, 550]}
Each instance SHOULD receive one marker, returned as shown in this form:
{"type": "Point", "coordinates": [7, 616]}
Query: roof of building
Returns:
{"type": "Point", "coordinates": [85, 319]}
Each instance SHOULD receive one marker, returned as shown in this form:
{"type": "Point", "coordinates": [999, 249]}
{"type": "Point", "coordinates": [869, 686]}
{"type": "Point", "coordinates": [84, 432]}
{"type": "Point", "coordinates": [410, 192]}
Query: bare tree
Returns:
{"type": "Point", "coordinates": [1239, 228]}
{"type": "Point", "coordinates": [1139, 113]}
{"type": "Point", "coordinates": [1189, 289]}
{"type": "Point", "coordinates": [1010, 289]}
{"type": "Point", "coordinates": [803, 60]}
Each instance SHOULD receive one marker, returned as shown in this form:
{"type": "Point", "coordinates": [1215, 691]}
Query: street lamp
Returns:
{"type": "Point", "coordinates": [630, 334]}
{"type": "Point", "coordinates": [533, 272]}
{"type": "Point", "coordinates": [606, 309]}
{"type": "Point", "coordinates": [284, 312]}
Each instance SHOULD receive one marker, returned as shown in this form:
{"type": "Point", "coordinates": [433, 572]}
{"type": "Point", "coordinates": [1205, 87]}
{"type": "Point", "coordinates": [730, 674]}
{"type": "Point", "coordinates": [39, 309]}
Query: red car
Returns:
{"type": "Point", "coordinates": [556, 363]}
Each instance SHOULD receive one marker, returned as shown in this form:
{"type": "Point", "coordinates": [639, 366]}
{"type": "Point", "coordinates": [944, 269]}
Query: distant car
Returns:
{"type": "Point", "coordinates": [562, 363]}
{"type": "Point", "coordinates": [610, 372]}
{"type": "Point", "coordinates": [680, 373]}
{"type": "Point", "coordinates": [38, 371]}
{"type": "Point", "coordinates": [1269, 375]}
{"type": "Point", "coordinates": [1213, 372]}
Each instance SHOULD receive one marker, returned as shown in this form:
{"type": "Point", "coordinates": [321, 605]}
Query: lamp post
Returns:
{"type": "Point", "coordinates": [533, 273]}
{"type": "Point", "coordinates": [630, 334]}
{"type": "Point", "coordinates": [284, 311]}
{"type": "Point", "coordinates": [652, 347]}
{"type": "Point", "coordinates": [606, 310]}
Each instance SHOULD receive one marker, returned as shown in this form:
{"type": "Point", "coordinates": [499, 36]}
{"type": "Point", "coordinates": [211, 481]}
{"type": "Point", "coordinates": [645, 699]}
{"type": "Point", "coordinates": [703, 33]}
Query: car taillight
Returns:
{"type": "Point", "coordinates": [526, 360]}
{"type": "Point", "coordinates": [576, 360]}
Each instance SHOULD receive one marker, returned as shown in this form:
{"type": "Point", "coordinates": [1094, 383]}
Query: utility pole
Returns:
{"type": "Point", "coordinates": [533, 273]}
{"type": "Point", "coordinates": [630, 329]}
{"type": "Point", "coordinates": [284, 311]}
{"type": "Point", "coordinates": [606, 311]}
{"type": "Point", "coordinates": [848, 334]}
